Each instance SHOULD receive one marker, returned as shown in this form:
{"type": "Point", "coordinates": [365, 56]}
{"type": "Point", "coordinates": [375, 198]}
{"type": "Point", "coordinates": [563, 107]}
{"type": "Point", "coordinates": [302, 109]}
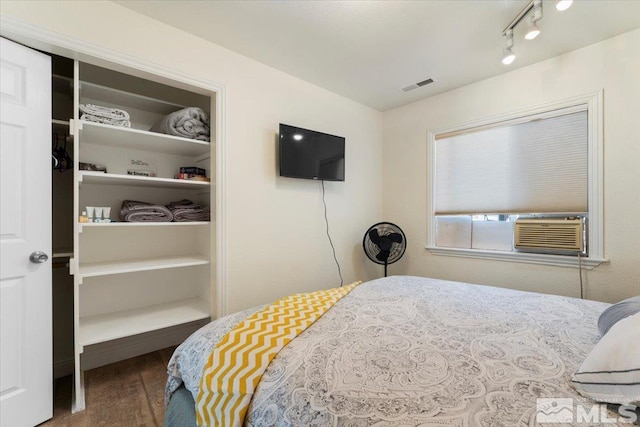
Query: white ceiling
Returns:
{"type": "Point", "coordinates": [369, 50]}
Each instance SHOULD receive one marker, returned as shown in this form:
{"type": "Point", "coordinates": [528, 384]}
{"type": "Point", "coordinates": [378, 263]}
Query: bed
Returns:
{"type": "Point", "coordinates": [410, 351]}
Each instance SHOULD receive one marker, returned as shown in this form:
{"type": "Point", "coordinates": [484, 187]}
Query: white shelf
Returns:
{"type": "Point", "coordinates": [94, 269]}
{"type": "Point", "coordinates": [126, 99]}
{"type": "Point", "coordinates": [141, 224]}
{"type": "Point", "coordinates": [111, 326]}
{"type": "Point", "coordinates": [62, 252]}
{"type": "Point", "coordinates": [101, 178]}
{"type": "Point", "coordinates": [116, 136]}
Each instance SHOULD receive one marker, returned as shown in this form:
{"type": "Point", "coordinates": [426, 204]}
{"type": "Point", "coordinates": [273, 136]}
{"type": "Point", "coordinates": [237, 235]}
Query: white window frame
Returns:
{"type": "Point", "coordinates": [593, 103]}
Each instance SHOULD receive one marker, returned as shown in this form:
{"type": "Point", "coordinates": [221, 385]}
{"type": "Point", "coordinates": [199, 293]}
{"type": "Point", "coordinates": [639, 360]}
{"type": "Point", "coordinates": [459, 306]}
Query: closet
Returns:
{"type": "Point", "coordinates": [136, 286]}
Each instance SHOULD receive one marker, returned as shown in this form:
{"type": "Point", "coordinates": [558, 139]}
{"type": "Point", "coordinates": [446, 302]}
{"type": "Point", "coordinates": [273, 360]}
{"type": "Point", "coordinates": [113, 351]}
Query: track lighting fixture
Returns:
{"type": "Point", "coordinates": [563, 5]}
{"type": "Point", "coordinates": [508, 55]}
{"type": "Point", "coordinates": [534, 9]}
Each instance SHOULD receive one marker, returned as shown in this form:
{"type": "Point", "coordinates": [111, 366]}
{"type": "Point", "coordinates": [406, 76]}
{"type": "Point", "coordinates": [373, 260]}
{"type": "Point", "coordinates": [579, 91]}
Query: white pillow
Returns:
{"type": "Point", "coordinates": [611, 371]}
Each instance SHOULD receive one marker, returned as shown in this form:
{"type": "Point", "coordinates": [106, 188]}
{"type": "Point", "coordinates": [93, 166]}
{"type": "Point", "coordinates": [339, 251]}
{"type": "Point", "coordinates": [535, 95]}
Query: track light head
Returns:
{"type": "Point", "coordinates": [508, 56]}
{"type": "Point", "coordinates": [533, 31]}
{"type": "Point", "coordinates": [563, 5]}
{"type": "Point", "coordinates": [536, 15]}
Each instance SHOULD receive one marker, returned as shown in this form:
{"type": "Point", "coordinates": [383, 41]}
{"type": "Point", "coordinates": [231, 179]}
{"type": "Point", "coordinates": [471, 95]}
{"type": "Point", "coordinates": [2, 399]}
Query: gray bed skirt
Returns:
{"type": "Point", "coordinates": [181, 411]}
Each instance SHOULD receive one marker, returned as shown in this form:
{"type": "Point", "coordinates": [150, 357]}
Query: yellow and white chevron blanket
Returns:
{"type": "Point", "coordinates": [236, 364]}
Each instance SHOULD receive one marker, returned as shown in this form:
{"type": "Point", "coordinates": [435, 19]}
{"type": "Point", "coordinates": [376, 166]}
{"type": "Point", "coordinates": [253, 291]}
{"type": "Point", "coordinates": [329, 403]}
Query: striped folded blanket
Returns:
{"type": "Point", "coordinates": [235, 366]}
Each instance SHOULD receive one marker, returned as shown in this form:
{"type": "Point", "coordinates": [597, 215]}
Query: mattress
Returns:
{"type": "Point", "coordinates": [180, 410]}
{"type": "Point", "coordinates": [414, 351]}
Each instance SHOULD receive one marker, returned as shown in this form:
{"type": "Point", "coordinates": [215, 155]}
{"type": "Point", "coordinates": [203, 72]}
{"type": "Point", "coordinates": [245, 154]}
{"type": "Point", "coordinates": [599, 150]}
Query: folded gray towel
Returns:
{"type": "Point", "coordinates": [186, 215]}
{"type": "Point", "coordinates": [190, 122]}
{"type": "Point", "coordinates": [133, 211]}
{"type": "Point", "coordinates": [185, 210]}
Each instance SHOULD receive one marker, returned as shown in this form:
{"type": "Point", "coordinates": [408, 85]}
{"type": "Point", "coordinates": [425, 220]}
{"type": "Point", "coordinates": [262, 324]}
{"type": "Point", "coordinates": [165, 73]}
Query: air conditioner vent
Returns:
{"type": "Point", "coordinates": [417, 85]}
{"type": "Point", "coordinates": [549, 235]}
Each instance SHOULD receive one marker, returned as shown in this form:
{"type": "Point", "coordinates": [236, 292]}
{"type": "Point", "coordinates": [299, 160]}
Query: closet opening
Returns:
{"type": "Point", "coordinates": [133, 214]}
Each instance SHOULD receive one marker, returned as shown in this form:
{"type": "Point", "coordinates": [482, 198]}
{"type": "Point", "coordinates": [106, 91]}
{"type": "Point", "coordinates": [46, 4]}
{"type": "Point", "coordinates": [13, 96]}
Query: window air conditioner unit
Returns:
{"type": "Point", "coordinates": [551, 235]}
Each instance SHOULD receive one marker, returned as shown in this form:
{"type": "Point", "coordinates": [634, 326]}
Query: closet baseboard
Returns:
{"type": "Point", "coordinates": [105, 353]}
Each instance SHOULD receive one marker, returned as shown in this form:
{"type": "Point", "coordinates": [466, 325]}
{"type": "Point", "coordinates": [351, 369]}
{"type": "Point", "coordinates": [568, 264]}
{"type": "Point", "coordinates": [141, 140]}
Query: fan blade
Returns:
{"type": "Point", "coordinates": [374, 236]}
{"type": "Point", "coordinates": [383, 256]}
{"type": "Point", "coordinates": [395, 237]}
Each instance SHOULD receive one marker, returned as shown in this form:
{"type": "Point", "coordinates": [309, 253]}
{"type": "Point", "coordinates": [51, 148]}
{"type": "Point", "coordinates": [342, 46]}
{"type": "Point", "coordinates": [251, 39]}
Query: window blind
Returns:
{"type": "Point", "coordinates": [539, 166]}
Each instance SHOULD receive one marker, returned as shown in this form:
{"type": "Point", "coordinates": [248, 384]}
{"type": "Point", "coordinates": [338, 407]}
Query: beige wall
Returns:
{"type": "Point", "coordinates": [276, 232]}
{"type": "Point", "coordinates": [612, 66]}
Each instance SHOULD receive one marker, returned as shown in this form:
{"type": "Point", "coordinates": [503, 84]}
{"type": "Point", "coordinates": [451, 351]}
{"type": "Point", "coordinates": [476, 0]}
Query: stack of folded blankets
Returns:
{"type": "Point", "coordinates": [105, 115]}
{"type": "Point", "coordinates": [181, 211]}
{"type": "Point", "coordinates": [185, 210]}
{"type": "Point", "coordinates": [191, 122]}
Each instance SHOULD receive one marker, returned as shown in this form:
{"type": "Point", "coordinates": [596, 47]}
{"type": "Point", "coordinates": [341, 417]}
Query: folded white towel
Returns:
{"type": "Point", "coordinates": [106, 112]}
{"type": "Point", "coordinates": [105, 120]}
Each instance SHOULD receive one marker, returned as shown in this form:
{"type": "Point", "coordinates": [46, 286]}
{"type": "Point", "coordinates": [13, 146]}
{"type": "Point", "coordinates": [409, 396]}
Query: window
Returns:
{"type": "Point", "coordinates": [540, 162]}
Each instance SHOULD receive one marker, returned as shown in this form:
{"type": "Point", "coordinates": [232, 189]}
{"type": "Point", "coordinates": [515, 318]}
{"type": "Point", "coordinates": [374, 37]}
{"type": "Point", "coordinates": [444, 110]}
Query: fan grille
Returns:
{"type": "Point", "coordinates": [396, 249]}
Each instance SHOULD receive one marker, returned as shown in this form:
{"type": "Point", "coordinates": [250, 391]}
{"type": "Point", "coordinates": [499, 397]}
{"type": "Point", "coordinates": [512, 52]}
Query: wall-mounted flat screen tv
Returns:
{"type": "Point", "coordinates": [309, 154]}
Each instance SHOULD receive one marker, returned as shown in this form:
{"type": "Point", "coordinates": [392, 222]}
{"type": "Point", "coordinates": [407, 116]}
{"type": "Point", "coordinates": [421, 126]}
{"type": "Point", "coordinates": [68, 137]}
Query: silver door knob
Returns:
{"type": "Point", "coordinates": [38, 257]}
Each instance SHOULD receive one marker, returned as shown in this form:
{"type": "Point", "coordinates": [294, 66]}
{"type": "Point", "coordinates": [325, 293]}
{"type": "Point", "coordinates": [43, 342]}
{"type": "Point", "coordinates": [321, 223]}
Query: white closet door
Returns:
{"type": "Point", "coordinates": [26, 384]}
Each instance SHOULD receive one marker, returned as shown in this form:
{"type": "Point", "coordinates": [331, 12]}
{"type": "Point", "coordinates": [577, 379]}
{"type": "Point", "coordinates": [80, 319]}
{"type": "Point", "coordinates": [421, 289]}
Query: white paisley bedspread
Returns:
{"type": "Point", "coordinates": [411, 351]}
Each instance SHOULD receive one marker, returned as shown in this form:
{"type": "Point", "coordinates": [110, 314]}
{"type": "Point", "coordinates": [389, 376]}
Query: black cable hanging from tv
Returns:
{"type": "Point", "coordinates": [329, 236]}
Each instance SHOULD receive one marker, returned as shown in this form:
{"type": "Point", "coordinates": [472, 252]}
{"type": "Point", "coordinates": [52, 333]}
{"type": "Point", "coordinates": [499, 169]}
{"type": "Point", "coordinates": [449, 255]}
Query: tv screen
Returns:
{"type": "Point", "coordinates": [310, 155]}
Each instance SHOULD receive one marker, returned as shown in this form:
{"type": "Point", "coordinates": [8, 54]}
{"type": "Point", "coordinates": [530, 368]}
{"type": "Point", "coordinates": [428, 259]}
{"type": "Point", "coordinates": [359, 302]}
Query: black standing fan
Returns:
{"type": "Point", "coordinates": [384, 243]}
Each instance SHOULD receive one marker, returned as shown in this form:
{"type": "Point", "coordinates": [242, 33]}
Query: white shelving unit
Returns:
{"type": "Point", "coordinates": [134, 278]}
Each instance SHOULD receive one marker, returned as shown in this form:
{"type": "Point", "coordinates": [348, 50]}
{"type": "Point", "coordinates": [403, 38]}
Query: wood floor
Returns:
{"type": "Point", "coordinates": [127, 393]}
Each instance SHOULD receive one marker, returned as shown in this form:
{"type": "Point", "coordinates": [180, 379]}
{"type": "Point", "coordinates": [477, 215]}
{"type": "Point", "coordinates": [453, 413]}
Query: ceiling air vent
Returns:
{"type": "Point", "coordinates": [417, 85]}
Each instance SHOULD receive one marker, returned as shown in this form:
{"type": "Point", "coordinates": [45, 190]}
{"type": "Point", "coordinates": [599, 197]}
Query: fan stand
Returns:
{"type": "Point", "coordinates": [385, 269]}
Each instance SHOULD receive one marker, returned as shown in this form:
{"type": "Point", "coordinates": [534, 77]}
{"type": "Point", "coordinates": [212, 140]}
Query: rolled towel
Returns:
{"type": "Point", "coordinates": [190, 122]}
{"type": "Point", "coordinates": [105, 112]}
{"type": "Point", "coordinates": [133, 211]}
